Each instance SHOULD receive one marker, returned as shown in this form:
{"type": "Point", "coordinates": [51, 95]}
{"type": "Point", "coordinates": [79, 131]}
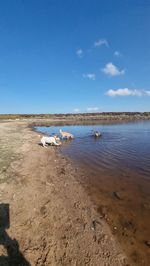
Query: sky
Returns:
{"type": "Point", "coordinates": [74, 56]}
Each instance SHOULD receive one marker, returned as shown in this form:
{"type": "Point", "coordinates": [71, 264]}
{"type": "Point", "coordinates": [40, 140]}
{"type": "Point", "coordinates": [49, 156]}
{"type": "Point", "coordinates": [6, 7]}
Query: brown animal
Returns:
{"type": "Point", "coordinates": [66, 135]}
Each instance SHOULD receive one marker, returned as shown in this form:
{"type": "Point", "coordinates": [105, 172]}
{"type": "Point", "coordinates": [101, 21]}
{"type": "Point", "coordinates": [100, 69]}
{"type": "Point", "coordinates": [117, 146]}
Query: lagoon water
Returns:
{"type": "Point", "coordinates": [116, 176]}
{"type": "Point", "coordinates": [122, 147]}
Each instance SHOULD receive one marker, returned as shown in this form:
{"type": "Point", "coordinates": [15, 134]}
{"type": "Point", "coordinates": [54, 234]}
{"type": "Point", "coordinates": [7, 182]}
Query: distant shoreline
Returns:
{"type": "Point", "coordinates": [104, 116]}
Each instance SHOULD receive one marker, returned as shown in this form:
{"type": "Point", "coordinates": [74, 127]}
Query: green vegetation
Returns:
{"type": "Point", "coordinates": [80, 116]}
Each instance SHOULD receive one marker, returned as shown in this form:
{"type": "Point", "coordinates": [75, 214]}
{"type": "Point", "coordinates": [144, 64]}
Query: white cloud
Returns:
{"type": "Point", "coordinates": [147, 93]}
{"type": "Point", "coordinates": [92, 109]}
{"type": "Point", "coordinates": [101, 42]}
{"type": "Point", "coordinates": [117, 54]}
{"type": "Point", "coordinates": [112, 70]}
{"type": "Point", "coordinates": [89, 76]}
{"type": "Point", "coordinates": [127, 92]}
{"type": "Point", "coordinates": [79, 53]}
{"type": "Point", "coordinates": [76, 110]}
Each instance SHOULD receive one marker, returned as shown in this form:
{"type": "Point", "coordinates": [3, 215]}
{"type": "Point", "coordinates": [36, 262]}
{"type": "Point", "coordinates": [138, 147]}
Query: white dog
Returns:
{"type": "Point", "coordinates": [50, 140]}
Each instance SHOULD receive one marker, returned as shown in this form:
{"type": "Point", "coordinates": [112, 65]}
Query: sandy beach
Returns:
{"type": "Point", "coordinates": [52, 219]}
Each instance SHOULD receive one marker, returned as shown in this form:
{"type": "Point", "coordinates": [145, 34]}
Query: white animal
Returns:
{"type": "Point", "coordinates": [50, 140]}
{"type": "Point", "coordinates": [57, 138]}
{"type": "Point", "coordinates": [66, 135]}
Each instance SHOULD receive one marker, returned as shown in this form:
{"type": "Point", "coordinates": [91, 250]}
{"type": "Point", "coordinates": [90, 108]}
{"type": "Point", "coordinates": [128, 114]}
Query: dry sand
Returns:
{"type": "Point", "coordinates": [52, 219]}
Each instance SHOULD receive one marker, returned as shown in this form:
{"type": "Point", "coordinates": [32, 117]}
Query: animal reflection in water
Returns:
{"type": "Point", "coordinates": [14, 257]}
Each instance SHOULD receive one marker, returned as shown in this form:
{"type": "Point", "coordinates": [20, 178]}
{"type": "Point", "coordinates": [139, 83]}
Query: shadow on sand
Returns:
{"type": "Point", "coordinates": [14, 257]}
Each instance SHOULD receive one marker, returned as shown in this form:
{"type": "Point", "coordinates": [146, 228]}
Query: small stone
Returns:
{"type": "Point", "coordinates": [93, 226]}
{"type": "Point", "coordinates": [87, 260]}
{"type": "Point", "coordinates": [103, 211]}
{"type": "Point", "coordinates": [117, 195]}
{"type": "Point", "coordinates": [62, 171]}
{"type": "Point", "coordinates": [147, 243]}
{"type": "Point", "coordinates": [94, 238]}
{"type": "Point", "coordinates": [4, 169]}
{"type": "Point", "coordinates": [43, 210]}
{"type": "Point", "coordinates": [77, 204]}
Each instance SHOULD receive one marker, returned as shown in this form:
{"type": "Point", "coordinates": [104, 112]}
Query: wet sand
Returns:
{"type": "Point", "coordinates": [125, 205]}
{"type": "Point", "coordinates": [52, 218]}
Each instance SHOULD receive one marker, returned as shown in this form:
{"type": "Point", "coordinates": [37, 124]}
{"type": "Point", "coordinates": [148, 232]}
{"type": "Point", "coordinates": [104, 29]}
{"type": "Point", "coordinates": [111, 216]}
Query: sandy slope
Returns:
{"type": "Point", "coordinates": [52, 219]}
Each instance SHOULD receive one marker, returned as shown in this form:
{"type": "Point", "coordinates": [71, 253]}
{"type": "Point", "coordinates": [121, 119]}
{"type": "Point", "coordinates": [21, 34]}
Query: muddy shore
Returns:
{"type": "Point", "coordinates": [52, 220]}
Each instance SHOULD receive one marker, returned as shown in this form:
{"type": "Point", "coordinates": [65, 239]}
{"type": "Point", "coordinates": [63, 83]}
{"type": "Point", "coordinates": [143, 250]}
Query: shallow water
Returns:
{"type": "Point", "coordinates": [117, 168]}
{"type": "Point", "coordinates": [121, 147]}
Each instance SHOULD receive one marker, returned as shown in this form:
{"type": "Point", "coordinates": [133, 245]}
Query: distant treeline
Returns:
{"type": "Point", "coordinates": [80, 116]}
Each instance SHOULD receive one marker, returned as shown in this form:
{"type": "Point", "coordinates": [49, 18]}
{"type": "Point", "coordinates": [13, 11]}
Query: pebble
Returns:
{"type": "Point", "coordinates": [117, 195]}
{"type": "Point", "coordinates": [93, 226]}
{"type": "Point", "coordinates": [4, 169]}
{"type": "Point", "coordinates": [147, 243]}
{"type": "Point", "coordinates": [87, 260]}
{"type": "Point", "coordinates": [77, 204]}
{"type": "Point", "coordinates": [103, 211]}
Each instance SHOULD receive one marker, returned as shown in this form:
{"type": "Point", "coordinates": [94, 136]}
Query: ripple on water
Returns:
{"type": "Point", "coordinates": [122, 146]}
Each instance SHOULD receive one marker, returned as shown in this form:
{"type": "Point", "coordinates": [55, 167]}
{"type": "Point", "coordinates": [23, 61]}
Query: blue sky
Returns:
{"type": "Point", "coordinates": [74, 56]}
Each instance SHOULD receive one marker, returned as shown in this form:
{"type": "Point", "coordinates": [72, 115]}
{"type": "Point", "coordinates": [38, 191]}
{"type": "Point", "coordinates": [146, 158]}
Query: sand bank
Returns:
{"type": "Point", "coordinates": [52, 219]}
